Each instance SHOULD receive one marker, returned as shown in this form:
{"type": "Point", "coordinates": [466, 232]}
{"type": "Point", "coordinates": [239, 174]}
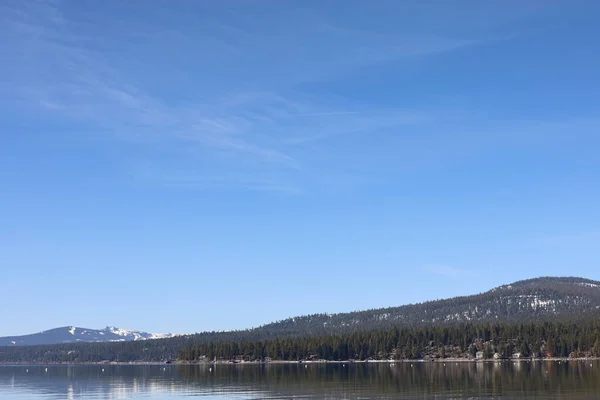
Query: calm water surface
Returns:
{"type": "Point", "coordinates": [525, 380]}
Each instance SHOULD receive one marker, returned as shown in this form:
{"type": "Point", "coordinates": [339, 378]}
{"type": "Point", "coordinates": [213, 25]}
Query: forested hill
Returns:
{"type": "Point", "coordinates": [537, 298]}
{"type": "Point", "coordinates": [579, 339]}
{"type": "Point", "coordinates": [541, 299]}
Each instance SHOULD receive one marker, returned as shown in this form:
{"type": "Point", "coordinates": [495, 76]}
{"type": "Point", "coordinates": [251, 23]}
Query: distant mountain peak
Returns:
{"type": "Point", "coordinates": [550, 282]}
{"type": "Point", "coordinates": [74, 334]}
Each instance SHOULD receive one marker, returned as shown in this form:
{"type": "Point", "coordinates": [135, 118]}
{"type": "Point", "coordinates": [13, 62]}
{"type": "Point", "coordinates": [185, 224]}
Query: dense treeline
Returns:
{"type": "Point", "coordinates": [142, 351]}
{"type": "Point", "coordinates": [542, 339]}
{"type": "Point", "coordinates": [150, 350]}
{"type": "Point", "coordinates": [129, 351]}
{"type": "Point", "coordinates": [559, 339]}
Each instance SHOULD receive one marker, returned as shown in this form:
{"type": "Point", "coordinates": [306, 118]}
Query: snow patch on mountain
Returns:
{"type": "Point", "coordinates": [130, 334]}
{"type": "Point", "coordinates": [120, 332]}
{"type": "Point", "coordinates": [162, 335]}
{"type": "Point", "coordinates": [72, 334]}
{"type": "Point", "coordinates": [592, 285]}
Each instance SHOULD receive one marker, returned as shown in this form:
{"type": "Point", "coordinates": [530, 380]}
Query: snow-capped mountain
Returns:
{"type": "Point", "coordinates": [73, 334]}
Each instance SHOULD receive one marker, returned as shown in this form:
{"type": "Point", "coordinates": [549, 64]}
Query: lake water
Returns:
{"type": "Point", "coordinates": [508, 380]}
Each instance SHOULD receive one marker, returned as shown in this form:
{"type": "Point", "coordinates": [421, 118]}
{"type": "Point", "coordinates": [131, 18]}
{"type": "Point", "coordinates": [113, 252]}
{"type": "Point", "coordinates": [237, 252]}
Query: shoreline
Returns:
{"type": "Point", "coordinates": [319, 362]}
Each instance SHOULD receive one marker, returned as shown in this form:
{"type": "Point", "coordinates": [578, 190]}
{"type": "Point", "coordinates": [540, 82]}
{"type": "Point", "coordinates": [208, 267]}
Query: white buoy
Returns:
{"type": "Point", "coordinates": [210, 370]}
{"type": "Point", "coordinates": [26, 370]}
{"type": "Point", "coordinates": [102, 369]}
{"type": "Point", "coordinates": [46, 369]}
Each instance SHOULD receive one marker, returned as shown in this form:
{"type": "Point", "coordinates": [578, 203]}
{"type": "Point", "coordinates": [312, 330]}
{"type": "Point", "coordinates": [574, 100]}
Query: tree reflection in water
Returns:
{"type": "Point", "coordinates": [549, 379]}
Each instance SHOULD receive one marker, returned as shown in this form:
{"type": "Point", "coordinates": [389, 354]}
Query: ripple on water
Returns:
{"type": "Point", "coordinates": [549, 380]}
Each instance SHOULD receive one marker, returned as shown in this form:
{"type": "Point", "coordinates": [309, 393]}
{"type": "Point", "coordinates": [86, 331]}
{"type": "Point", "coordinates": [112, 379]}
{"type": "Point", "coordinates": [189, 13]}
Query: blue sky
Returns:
{"type": "Point", "coordinates": [203, 165]}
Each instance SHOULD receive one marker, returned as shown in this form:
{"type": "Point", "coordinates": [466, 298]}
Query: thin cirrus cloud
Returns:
{"type": "Point", "coordinates": [237, 93]}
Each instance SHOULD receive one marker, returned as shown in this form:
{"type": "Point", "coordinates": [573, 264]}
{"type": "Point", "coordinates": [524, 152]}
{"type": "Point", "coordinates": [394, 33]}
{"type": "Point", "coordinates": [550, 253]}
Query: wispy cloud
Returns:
{"type": "Point", "coordinates": [328, 113]}
{"type": "Point", "coordinates": [227, 89]}
{"type": "Point", "coordinates": [188, 177]}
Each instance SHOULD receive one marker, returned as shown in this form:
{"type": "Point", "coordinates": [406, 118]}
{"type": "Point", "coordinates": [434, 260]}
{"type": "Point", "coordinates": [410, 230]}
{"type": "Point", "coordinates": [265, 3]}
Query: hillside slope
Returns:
{"type": "Point", "coordinates": [520, 301]}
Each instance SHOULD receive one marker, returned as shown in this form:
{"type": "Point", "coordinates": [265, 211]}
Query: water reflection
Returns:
{"type": "Point", "coordinates": [333, 381]}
